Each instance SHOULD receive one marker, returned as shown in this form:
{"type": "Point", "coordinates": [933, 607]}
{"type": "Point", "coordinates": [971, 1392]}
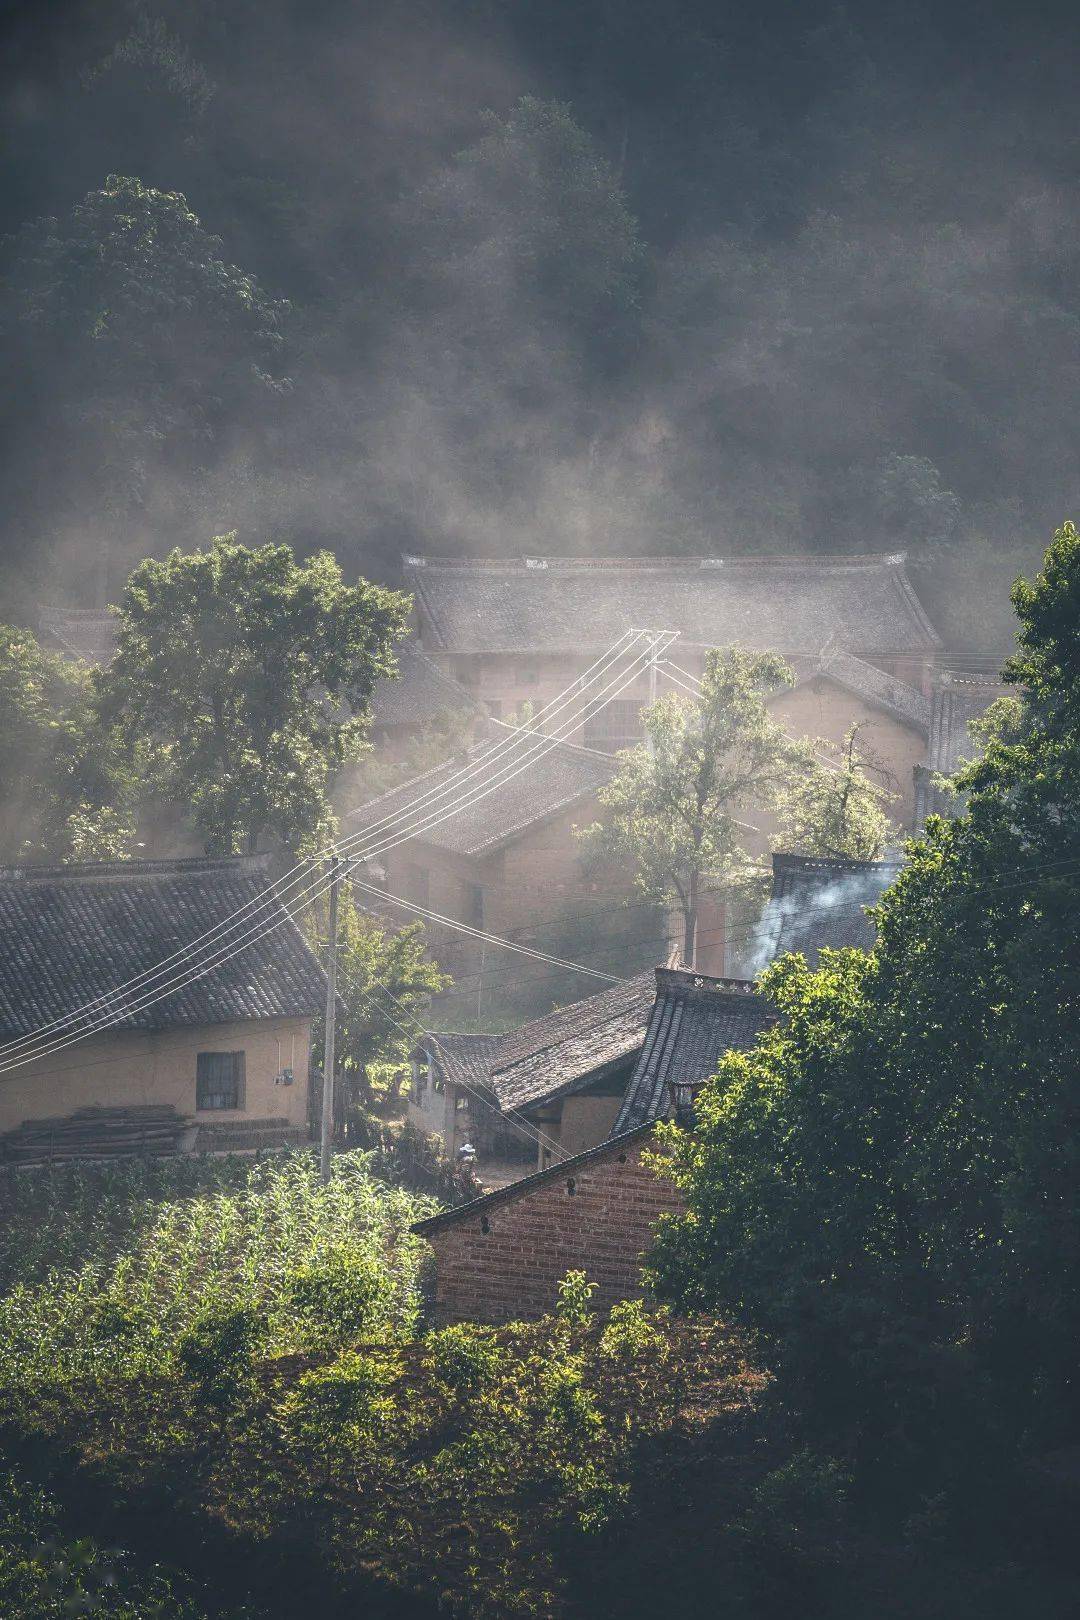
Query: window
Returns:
{"type": "Point", "coordinates": [219, 1080]}
{"type": "Point", "coordinates": [475, 893]}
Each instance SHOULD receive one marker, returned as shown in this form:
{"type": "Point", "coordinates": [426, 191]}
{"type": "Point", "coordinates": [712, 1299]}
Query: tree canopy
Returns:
{"type": "Point", "coordinates": [836, 806]}
{"type": "Point", "coordinates": [886, 1186]}
{"type": "Point", "coordinates": [247, 675]}
{"type": "Point", "coordinates": [134, 346]}
{"type": "Point", "coordinates": [66, 792]}
{"type": "Point", "coordinates": [674, 808]}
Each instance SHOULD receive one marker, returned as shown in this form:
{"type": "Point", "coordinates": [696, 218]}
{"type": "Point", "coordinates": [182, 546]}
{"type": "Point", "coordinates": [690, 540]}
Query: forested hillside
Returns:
{"type": "Point", "coordinates": [488, 275]}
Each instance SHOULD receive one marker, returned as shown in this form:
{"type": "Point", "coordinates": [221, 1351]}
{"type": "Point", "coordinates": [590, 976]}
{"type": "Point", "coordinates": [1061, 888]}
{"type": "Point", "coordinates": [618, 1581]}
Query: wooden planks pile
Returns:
{"type": "Point", "coordinates": [95, 1133]}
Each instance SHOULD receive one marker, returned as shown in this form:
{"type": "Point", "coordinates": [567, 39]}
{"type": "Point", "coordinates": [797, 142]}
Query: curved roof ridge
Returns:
{"type": "Point", "coordinates": [414, 561]}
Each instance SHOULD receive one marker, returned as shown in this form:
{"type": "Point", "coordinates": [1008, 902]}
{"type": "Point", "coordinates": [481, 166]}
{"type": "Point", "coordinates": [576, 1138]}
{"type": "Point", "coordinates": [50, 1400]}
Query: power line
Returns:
{"type": "Point", "coordinates": [480, 933]}
{"type": "Point", "coordinates": [277, 891]}
{"type": "Point", "coordinates": [311, 894]}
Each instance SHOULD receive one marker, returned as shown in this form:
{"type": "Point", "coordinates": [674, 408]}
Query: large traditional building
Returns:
{"type": "Point", "coordinates": [221, 1061]}
{"type": "Point", "coordinates": [516, 630]}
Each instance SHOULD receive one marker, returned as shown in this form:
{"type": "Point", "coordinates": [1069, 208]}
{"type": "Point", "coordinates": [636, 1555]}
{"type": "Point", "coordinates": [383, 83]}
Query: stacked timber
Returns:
{"type": "Point", "coordinates": [95, 1133]}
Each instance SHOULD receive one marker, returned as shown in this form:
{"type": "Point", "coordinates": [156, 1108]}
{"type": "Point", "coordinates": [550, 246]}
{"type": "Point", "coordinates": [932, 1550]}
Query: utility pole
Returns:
{"type": "Point", "coordinates": [326, 1133]}
{"type": "Point", "coordinates": [650, 745]}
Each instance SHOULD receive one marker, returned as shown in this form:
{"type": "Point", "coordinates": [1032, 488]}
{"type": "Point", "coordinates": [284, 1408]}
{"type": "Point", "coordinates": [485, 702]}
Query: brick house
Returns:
{"type": "Point", "coordinates": [853, 629]}
{"type": "Point", "coordinates": [507, 860]}
{"type": "Point", "coordinates": [893, 717]}
{"type": "Point", "coordinates": [501, 1256]}
{"type": "Point", "coordinates": [223, 1059]}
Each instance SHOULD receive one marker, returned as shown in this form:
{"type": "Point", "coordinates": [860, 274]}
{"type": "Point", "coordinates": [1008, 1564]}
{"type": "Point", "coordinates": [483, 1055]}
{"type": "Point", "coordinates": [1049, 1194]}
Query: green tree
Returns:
{"type": "Point", "coordinates": [133, 343]}
{"type": "Point", "coordinates": [674, 808]}
{"type": "Point", "coordinates": [247, 675]}
{"type": "Point", "coordinates": [532, 220]}
{"type": "Point", "coordinates": [838, 809]}
{"type": "Point", "coordinates": [385, 976]}
{"type": "Point", "coordinates": [65, 793]}
{"type": "Point", "coordinates": [886, 1186]}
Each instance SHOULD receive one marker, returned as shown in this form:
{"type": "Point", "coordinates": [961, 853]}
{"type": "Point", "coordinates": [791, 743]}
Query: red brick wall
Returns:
{"type": "Point", "coordinates": [512, 1271]}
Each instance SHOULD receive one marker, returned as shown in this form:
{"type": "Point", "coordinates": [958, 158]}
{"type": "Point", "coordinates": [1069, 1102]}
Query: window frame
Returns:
{"type": "Point", "coordinates": [239, 1083]}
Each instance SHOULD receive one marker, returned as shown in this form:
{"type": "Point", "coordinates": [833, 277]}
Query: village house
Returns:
{"type": "Point", "coordinates": [418, 700]}
{"type": "Point", "coordinates": [508, 859]}
{"type": "Point", "coordinates": [549, 1089]}
{"type": "Point", "coordinates": [221, 1062]}
{"type": "Point", "coordinates": [501, 1257]}
{"type": "Point", "coordinates": [88, 634]}
{"type": "Point", "coordinates": [862, 647]}
{"type": "Point", "coordinates": [958, 698]}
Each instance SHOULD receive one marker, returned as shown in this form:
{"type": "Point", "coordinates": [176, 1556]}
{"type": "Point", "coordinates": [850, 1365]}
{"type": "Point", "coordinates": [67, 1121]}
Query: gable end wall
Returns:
{"type": "Point", "coordinates": [512, 1272]}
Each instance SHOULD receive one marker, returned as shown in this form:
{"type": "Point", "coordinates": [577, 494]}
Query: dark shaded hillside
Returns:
{"type": "Point", "coordinates": [729, 281]}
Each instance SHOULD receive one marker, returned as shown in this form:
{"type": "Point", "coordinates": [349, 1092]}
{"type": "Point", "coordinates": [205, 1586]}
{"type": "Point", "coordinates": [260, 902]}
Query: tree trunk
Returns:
{"type": "Point", "coordinates": [690, 921]}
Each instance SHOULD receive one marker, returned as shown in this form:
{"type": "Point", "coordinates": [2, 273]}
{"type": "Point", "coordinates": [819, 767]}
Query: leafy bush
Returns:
{"type": "Point", "coordinates": [47, 1575]}
{"type": "Point", "coordinates": [575, 1297]}
{"type": "Point", "coordinates": [468, 1465]}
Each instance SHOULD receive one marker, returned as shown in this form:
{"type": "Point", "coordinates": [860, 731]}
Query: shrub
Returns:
{"type": "Point", "coordinates": [575, 1297]}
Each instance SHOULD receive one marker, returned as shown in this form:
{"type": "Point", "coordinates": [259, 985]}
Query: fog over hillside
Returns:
{"type": "Point", "coordinates": [491, 276]}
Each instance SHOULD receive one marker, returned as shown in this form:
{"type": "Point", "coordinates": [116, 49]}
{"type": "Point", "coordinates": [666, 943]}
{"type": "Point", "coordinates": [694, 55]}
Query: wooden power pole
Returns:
{"type": "Point", "coordinates": [326, 1133]}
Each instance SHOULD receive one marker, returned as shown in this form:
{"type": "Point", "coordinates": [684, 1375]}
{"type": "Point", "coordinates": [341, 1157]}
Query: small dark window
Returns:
{"type": "Point", "coordinates": [219, 1080]}
{"type": "Point", "coordinates": [485, 1225]}
{"type": "Point", "coordinates": [571, 1186]}
{"type": "Point", "coordinates": [476, 904]}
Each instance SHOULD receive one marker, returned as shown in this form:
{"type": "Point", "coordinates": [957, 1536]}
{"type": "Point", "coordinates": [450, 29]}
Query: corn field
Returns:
{"type": "Point", "coordinates": [144, 1257]}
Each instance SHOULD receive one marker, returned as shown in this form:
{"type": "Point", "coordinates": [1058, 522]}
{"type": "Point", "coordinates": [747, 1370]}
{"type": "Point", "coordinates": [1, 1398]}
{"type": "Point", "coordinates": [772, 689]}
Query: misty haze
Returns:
{"type": "Point", "coordinates": [539, 809]}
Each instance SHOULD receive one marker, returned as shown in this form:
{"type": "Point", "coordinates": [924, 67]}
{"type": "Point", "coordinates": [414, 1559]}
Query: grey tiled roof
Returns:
{"type": "Point", "coordinates": [818, 903]}
{"type": "Point", "coordinates": [792, 604]}
{"type": "Point", "coordinates": [551, 779]}
{"type": "Point", "coordinates": [420, 692]}
{"type": "Point", "coordinates": [959, 697]}
{"type": "Point", "coordinates": [462, 1060]}
{"type": "Point", "coordinates": [552, 1055]}
{"type": "Point", "coordinates": [69, 934]}
{"type": "Point", "coordinates": [695, 1020]}
{"type": "Point", "coordinates": [896, 697]}
{"type": "Point", "coordinates": [86, 633]}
